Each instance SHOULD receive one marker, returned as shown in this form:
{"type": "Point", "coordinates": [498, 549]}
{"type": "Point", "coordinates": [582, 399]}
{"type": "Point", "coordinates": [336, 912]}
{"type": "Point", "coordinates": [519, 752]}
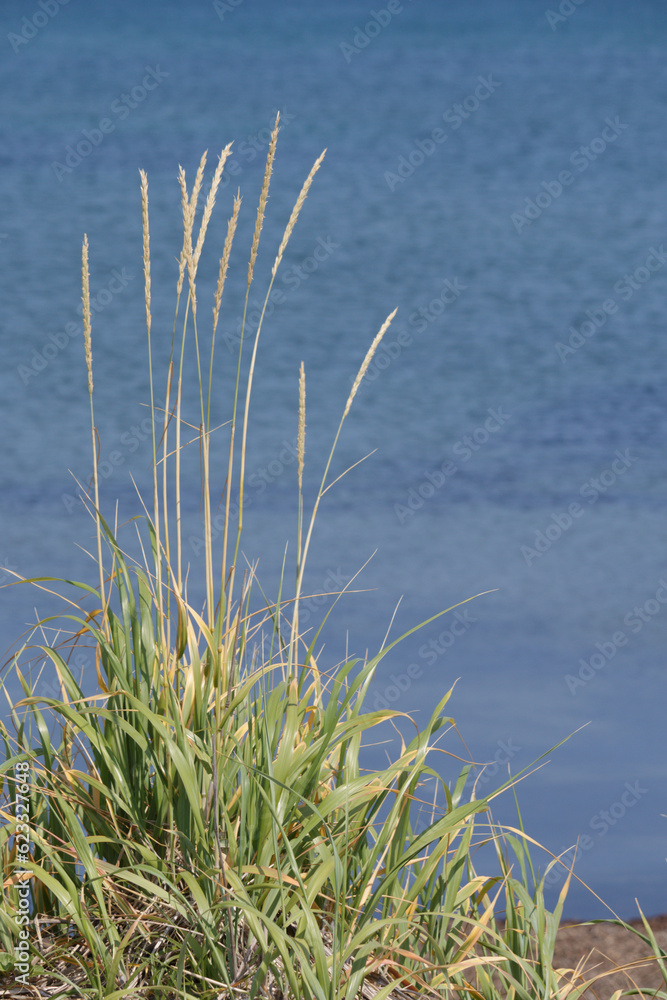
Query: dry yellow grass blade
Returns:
{"type": "Point", "coordinates": [14, 879]}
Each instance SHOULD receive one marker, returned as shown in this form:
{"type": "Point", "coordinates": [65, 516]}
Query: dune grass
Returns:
{"type": "Point", "coordinates": [202, 825]}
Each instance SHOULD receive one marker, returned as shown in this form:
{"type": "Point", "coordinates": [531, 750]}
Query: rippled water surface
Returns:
{"type": "Point", "coordinates": [497, 172]}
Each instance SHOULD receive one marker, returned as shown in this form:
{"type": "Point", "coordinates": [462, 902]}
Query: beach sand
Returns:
{"type": "Point", "coordinates": [604, 946]}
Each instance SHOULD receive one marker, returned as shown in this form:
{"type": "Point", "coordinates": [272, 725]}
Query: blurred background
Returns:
{"type": "Point", "coordinates": [497, 171]}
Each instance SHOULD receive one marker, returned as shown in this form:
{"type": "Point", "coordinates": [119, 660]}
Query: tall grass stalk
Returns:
{"type": "Point", "coordinates": [87, 339]}
{"type": "Point", "coordinates": [202, 825]}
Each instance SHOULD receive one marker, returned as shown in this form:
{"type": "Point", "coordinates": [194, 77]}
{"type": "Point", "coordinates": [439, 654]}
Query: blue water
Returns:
{"type": "Point", "coordinates": [532, 212]}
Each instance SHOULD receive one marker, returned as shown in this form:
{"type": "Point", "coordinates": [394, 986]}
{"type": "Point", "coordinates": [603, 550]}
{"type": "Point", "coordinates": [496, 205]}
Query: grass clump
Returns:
{"type": "Point", "coordinates": [202, 826]}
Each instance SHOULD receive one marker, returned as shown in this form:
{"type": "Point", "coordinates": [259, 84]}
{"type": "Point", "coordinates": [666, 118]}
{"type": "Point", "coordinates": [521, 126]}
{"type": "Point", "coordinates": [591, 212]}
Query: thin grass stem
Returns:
{"type": "Point", "coordinates": [87, 336]}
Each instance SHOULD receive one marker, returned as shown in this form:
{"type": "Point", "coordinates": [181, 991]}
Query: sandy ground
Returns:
{"type": "Point", "coordinates": [594, 949]}
{"type": "Point", "coordinates": [603, 946]}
